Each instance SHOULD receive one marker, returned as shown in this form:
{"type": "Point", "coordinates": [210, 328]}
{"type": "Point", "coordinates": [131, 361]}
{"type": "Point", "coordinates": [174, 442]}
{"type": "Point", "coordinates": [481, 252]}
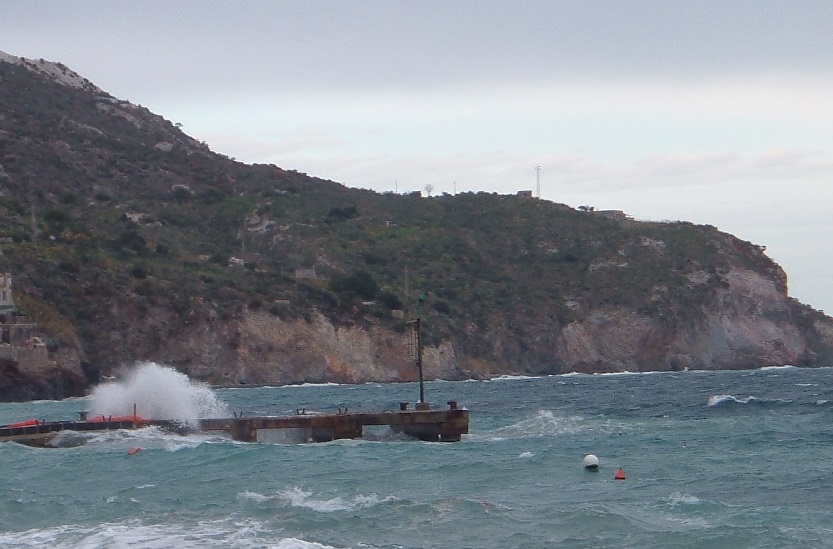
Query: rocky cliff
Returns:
{"type": "Point", "coordinates": [129, 240]}
{"type": "Point", "coordinates": [749, 323]}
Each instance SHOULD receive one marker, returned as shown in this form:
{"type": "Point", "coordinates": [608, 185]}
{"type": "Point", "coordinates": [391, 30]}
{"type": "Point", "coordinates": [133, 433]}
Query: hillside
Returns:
{"type": "Point", "coordinates": [129, 240]}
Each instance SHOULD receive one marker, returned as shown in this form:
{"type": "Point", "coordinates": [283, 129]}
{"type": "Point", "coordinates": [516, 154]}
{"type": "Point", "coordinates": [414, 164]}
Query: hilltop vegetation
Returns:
{"type": "Point", "coordinates": [122, 232]}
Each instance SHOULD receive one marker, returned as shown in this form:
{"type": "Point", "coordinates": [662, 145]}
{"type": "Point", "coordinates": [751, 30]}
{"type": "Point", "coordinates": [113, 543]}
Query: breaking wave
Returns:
{"type": "Point", "coordinates": [225, 534]}
{"type": "Point", "coordinates": [546, 423]}
{"type": "Point", "coordinates": [296, 497]}
{"type": "Point", "coordinates": [729, 400]}
{"type": "Point", "coordinates": [158, 392]}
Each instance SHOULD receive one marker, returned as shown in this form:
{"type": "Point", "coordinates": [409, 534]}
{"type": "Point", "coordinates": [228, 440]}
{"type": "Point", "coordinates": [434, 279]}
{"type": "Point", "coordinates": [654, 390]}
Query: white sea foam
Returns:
{"type": "Point", "coordinates": [223, 534]}
{"type": "Point", "coordinates": [70, 439]}
{"type": "Point", "coordinates": [158, 392]}
{"type": "Point", "coordinates": [544, 423]}
{"type": "Point", "coordinates": [254, 496]}
{"type": "Point", "coordinates": [295, 543]}
{"type": "Point", "coordinates": [297, 497]}
{"type": "Point", "coordinates": [678, 498]}
{"type": "Point", "coordinates": [513, 378]}
{"type": "Point", "coordinates": [630, 373]}
{"type": "Point", "coordinates": [717, 400]}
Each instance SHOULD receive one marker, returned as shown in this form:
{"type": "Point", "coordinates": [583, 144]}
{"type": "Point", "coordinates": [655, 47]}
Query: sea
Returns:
{"type": "Point", "coordinates": [711, 459]}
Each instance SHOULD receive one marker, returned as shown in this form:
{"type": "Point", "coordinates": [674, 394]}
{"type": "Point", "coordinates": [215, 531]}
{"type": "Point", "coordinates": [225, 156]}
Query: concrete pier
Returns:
{"type": "Point", "coordinates": [423, 424]}
{"type": "Point", "coordinates": [447, 425]}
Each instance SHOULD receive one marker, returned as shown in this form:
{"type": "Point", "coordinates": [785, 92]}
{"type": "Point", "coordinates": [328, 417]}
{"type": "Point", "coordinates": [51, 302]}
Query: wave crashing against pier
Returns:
{"type": "Point", "coordinates": [157, 392]}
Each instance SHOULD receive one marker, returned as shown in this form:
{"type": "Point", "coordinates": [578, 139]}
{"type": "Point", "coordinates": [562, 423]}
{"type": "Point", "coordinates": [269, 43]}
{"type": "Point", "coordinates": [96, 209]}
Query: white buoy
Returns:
{"type": "Point", "coordinates": [591, 462]}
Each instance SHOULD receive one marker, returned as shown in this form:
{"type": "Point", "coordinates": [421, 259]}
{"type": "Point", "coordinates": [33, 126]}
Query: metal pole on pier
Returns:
{"type": "Point", "coordinates": [419, 359]}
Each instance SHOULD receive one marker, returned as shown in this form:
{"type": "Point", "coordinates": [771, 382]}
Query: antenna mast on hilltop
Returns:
{"type": "Point", "coordinates": [538, 180]}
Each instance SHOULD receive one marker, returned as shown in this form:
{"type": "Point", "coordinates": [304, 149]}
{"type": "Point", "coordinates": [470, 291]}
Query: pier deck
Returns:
{"type": "Point", "coordinates": [428, 425]}
{"type": "Point", "coordinates": [423, 423]}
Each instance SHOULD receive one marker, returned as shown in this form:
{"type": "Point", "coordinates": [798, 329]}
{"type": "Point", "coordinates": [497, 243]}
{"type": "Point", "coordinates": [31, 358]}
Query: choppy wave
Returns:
{"type": "Point", "coordinates": [728, 400]}
{"type": "Point", "coordinates": [678, 498]}
{"type": "Point", "coordinates": [547, 423]}
{"type": "Point", "coordinates": [152, 436]}
{"type": "Point", "coordinates": [297, 497]}
{"type": "Point", "coordinates": [511, 378]}
{"type": "Point", "coordinates": [221, 534]}
{"type": "Point", "coordinates": [722, 475]}
{"type": "Point", "coordinates": [630, 373]}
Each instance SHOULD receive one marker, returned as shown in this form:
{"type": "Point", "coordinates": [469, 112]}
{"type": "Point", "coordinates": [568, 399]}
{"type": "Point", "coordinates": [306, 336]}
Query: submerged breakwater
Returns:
{"type": "Point", "coordinates": [734, 459]}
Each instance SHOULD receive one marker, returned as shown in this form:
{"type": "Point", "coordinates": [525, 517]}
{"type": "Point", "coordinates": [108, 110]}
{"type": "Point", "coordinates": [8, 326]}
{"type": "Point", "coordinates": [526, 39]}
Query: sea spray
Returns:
{"type": "Point", "coordinates": [158, 392]}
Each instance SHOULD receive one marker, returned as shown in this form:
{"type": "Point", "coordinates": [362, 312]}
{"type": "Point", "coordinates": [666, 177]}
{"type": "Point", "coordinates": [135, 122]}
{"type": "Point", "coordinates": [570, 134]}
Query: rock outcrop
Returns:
{"type": "Point", "coordinates": [750, 323]}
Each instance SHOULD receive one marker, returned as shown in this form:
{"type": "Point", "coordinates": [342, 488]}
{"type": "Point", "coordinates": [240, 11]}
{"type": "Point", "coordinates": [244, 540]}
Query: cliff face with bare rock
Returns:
{"type": "Point", "coordinates": [750, 323]}
{"type": "Point", "coordinates": [129, 240]}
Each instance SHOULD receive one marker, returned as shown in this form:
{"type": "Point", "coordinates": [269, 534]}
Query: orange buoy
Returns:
{"type": "Point", "coordinates": [133, 451]}
{"type": "Point", "coordinates": [620, 474]}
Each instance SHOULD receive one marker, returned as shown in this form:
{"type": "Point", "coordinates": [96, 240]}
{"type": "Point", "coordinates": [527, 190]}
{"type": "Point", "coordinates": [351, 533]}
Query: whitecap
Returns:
{"type": "Point", "coordinates": [512, 378]}
{"type": "Point", "coordinates": [717, 400]}
{"type": "Point", "coordinates": [678, 498]}
{"type": "Point", "coordinates": [630, 373]}
{"type": "Point", "coordinates": [296, 497]}
{"type": "Point", "coordinates": [254, 496]}
{"type": "Point", "coordinates": [217, 534]}
{"type": "Point", "coordinates": [546, 423]}
{"type": "Point", "coordinates": [295, 543]}
{"type": "Point", "coordinates": [307, 384]}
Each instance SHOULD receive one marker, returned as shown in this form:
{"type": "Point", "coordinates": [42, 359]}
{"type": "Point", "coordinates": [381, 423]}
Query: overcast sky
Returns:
{"type": "Point", "coordinates": [717, 112]}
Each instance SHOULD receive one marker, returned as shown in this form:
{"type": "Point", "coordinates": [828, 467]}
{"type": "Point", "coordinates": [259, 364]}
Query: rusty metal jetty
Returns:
{"type": "Point", "coordinates": [421, 423]}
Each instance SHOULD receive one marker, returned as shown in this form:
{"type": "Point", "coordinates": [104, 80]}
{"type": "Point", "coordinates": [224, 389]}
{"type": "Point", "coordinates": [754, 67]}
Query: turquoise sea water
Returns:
{"type": "Point", "coordinates": [712, 459]}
